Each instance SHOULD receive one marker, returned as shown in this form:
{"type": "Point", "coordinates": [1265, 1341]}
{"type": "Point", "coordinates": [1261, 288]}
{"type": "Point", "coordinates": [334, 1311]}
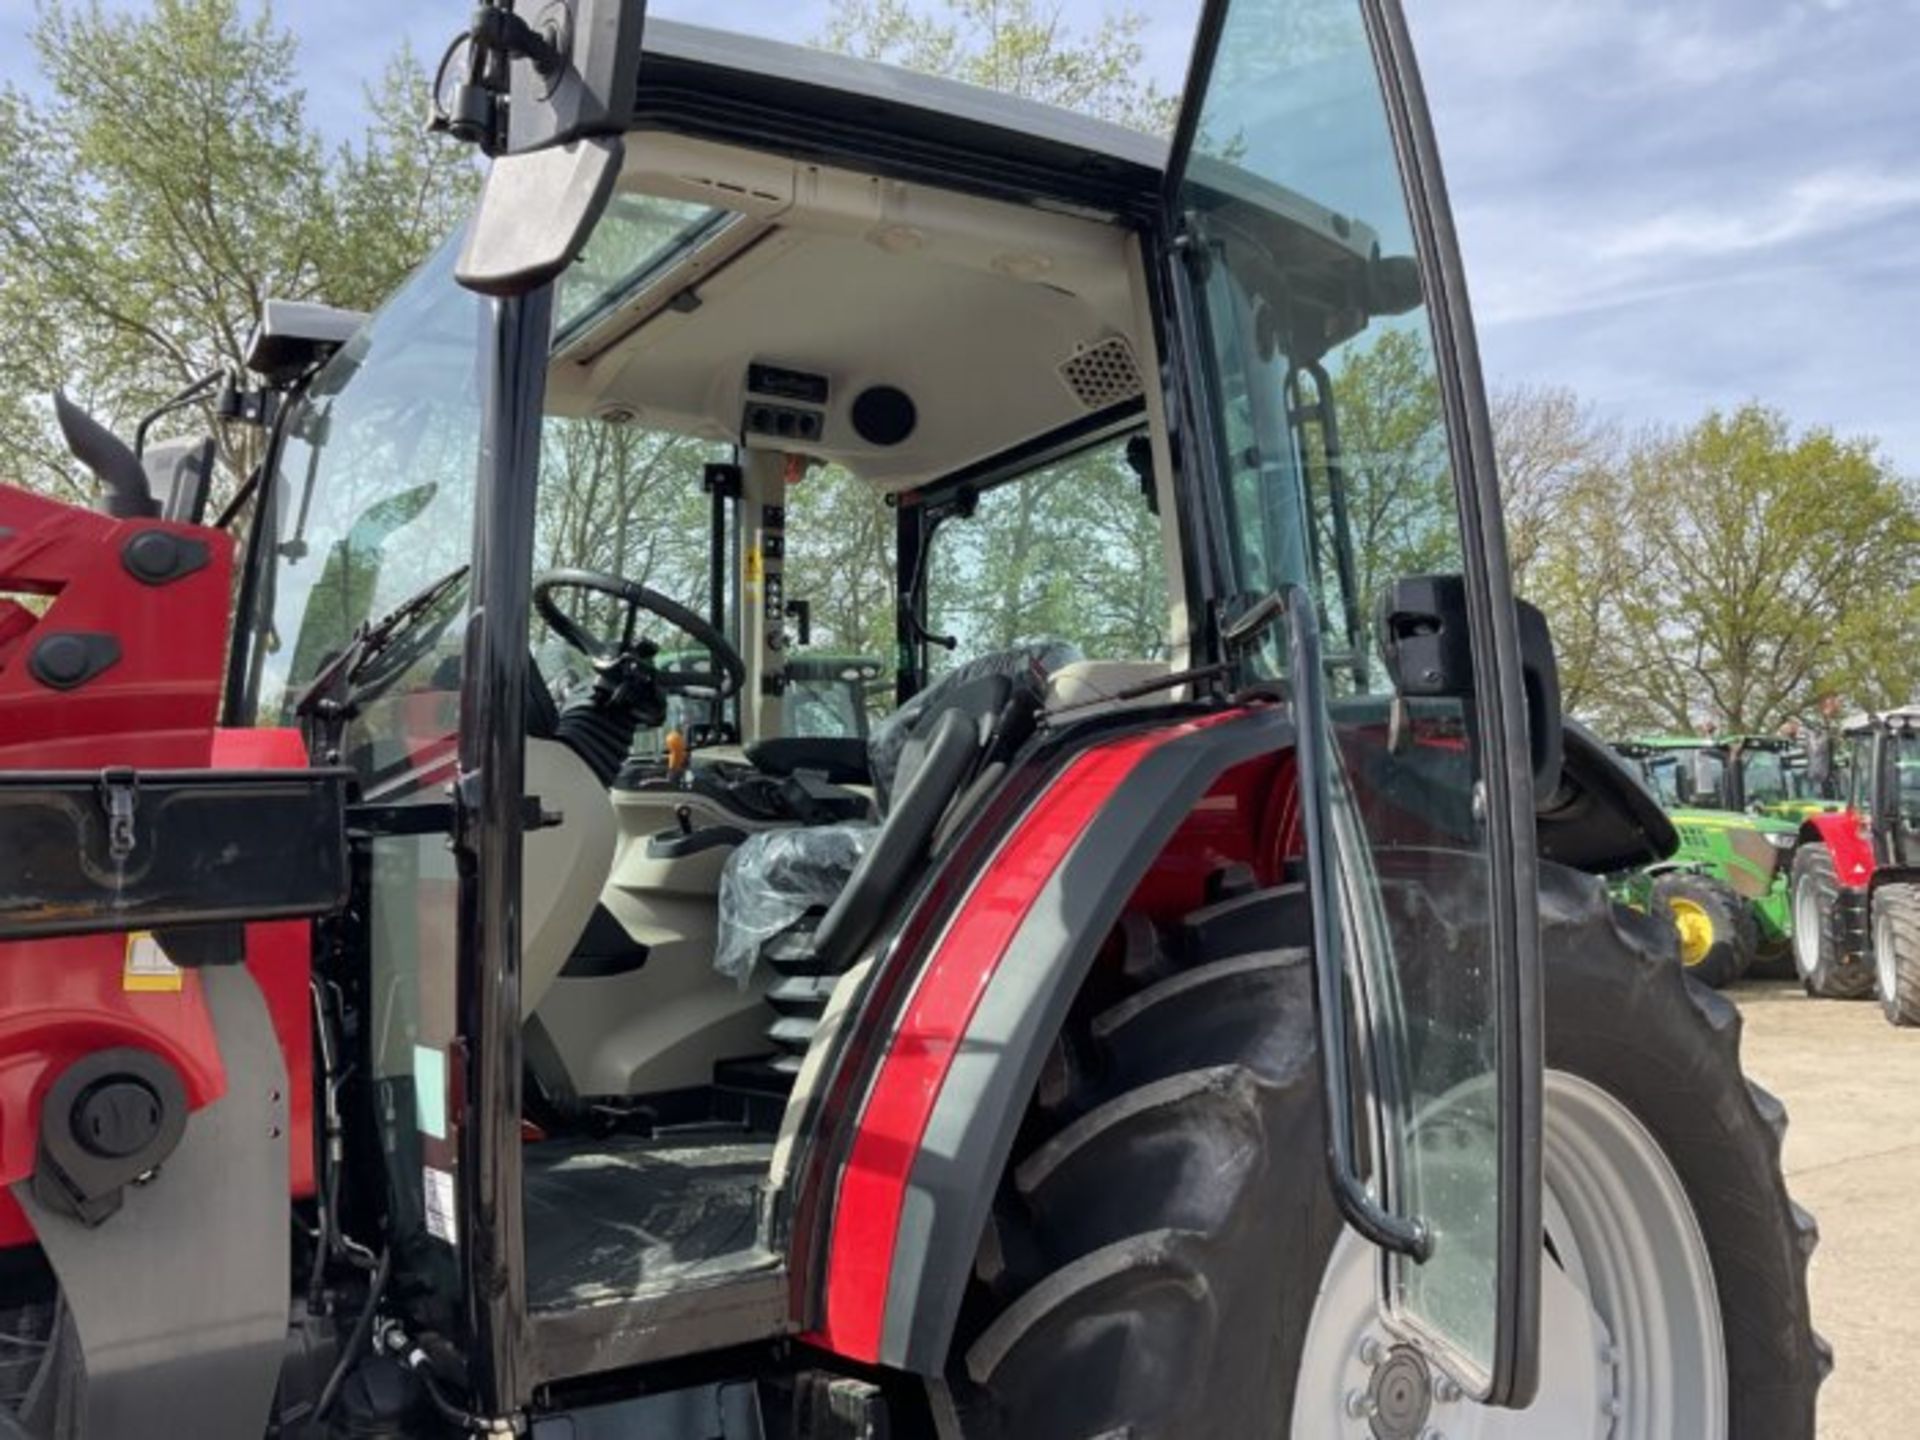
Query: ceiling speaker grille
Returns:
{"type": "Point", "coordinates": [1103, 373]}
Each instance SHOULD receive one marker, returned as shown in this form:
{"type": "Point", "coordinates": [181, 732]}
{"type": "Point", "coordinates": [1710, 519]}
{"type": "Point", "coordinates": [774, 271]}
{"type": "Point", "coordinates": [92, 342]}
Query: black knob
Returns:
{"type": "Point", "coordinates": [157, 557]}
{"type": "Point", "coordinates": [68, 659]}
{"type": "Point", "coordinates": [62, 660]}
{"type": "Point", "coordinates": [116, 1117]}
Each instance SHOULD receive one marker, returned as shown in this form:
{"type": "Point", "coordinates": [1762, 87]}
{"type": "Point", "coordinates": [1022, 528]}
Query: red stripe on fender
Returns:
{"type": "Point", "coordinates": [873, 1186]}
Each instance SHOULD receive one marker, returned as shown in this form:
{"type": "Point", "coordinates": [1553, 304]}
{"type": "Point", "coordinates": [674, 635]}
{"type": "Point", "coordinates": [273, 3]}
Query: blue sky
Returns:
{"type": "Point", "coordinates": [1665, 206]}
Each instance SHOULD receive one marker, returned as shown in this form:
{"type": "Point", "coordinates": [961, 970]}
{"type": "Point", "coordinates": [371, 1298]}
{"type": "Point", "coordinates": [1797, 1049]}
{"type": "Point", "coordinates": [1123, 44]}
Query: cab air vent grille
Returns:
{"type": "Point", "coordinates": [1103, 373]}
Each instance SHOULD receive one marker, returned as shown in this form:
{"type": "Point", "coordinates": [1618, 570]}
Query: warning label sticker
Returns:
{"type": "Point", "coordinates": [442, 1221]}
{"type": "Point", "coordinates": [147, 966]}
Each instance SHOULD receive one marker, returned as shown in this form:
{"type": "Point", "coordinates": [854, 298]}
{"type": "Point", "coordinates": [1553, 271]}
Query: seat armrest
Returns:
{"type": "Point", "coordinates": [841, 759]}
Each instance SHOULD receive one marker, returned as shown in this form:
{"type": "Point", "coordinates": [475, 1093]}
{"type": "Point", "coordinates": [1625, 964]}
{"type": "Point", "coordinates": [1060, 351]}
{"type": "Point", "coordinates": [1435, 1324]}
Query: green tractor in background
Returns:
{"type": "Point", "coordinates": [1737, 803]}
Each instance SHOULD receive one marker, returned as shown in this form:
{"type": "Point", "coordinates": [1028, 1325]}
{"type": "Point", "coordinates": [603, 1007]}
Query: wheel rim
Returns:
{"type": "Point", "coordinates": [1806, 926]}
{"type": "Point", "coordinates": [1631, 1343]}
{"type": "Point", "coordinates": [1695, 925]}
{"type": "Point", "coordinates": [1885, 974]}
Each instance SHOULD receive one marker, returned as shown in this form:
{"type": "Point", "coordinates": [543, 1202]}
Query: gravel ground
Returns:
{"type": "Point", "coordinates": [1851, 1084]}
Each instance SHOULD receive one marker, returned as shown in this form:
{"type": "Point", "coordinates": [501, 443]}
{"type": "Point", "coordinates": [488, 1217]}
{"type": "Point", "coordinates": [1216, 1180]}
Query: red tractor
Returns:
{"type": "Point", "coordinates": [1193, 1010]}
{"type": "Point", "coordinates": [1856, 873]}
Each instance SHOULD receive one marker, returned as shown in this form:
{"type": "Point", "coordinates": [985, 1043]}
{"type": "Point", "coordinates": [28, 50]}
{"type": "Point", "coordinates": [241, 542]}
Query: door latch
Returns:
{"type": "Point", "coordinates": [119, 797]}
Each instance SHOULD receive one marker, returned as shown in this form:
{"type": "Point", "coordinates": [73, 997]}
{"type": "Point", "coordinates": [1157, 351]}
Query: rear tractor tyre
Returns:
{"type": "Point", "coordinates": [1896, 952]}
{"type": "Point", "coordinates": [1824, 970]}
{"type": "Point", "coordinates": [42, 1378]}
{"type": "Point", "coordinates": [1165, 1260]}
{"type": "Point", "coordinates": [1718, 934]}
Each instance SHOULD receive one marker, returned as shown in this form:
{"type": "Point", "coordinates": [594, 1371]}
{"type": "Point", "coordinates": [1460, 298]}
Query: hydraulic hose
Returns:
{"type": "Point", "coordinates": [355, 1348]}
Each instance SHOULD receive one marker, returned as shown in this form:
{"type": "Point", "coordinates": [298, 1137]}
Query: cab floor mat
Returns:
{"type": "Point", "coordinates": [608, 1219]}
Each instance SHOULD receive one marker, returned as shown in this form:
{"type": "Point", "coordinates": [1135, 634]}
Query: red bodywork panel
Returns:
{"type": "Point", "coordinates": [1247, 816]}
{"type": "Point", "coordinates": [1845, 835]}
{"type": "Point", "coordinates": [154, 707]}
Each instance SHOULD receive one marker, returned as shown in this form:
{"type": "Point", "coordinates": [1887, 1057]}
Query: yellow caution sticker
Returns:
{"type": "Point", "coordinates": [755, 567]}
{"type": "Point", "coordinates": [147, 966]}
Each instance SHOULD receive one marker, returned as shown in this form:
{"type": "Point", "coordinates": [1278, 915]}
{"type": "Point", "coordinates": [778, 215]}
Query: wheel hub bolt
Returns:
{"type": "Point", "coordinates": [1358, 1405]}
{"type": "Point", "coordinates": [1371, 1351]}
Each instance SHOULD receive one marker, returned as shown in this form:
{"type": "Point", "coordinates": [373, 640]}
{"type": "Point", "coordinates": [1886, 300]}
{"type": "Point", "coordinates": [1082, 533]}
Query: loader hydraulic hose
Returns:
{"type": "Point", "coordinates": [354, 1349]}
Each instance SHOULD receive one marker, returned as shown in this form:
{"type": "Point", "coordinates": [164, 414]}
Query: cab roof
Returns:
{"type": "Point", "coordinates": [1904, 717]}
{"type": "Point", "coordinates": [1640, 743]}
{"type": "Point", "coordinates": [829, 106]}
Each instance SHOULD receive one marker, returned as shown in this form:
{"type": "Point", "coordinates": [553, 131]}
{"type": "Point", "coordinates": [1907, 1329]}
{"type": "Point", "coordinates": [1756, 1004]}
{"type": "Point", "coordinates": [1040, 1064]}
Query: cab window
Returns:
{"type": "Point", "coordinates": [1860, 774]}
{"type": "Point", "coordinates": [626, 501]}
{"type": "Point", "coordinates": [1070, 551]}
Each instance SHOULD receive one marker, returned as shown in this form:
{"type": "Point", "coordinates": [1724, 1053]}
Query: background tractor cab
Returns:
{"type": "Point", "coordinates": [1154, 982]}
{"type": "Point", "coordinates": [1856, 908]}
{"type": "Point", "coordinates": [1736, 803]}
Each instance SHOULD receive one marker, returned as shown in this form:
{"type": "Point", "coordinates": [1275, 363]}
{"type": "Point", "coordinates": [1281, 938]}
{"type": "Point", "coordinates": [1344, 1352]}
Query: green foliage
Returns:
{"type": "Point", "coordinates": [1019, 47]}
{"type": "Point", "coordinates": [1393, 440]}
{"type": "Point", "coordinates": [167, 184]}
{"type": "Point", "coordinates": [840, 561]}
{"type": "Point", "coordinates": [1069, 552]}
{"type": "Point", "coordinates": [1732, 573]}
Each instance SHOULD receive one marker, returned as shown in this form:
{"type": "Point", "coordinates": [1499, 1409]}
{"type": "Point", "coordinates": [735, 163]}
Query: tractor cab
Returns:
{"type": "Point", "coordinates": [1856, 873]}
{"type": "Point", "coordinates": [1758, 774]}
{"type": "Point", "coordinates": [928, 796]}
{"type": "Point", "coordinates": [1735, 805]}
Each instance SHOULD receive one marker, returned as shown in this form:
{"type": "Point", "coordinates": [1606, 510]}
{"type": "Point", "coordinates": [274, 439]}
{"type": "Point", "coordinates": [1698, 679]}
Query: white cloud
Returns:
{"type": "Point", "coordinates": [1816, 204]}
{"type": "Point", "coordinates": [1692, 51]}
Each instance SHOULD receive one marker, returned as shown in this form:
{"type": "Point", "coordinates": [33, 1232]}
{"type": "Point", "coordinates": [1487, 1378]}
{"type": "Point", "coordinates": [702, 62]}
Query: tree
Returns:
{"type": "Point", "coordinates": [1548, 442]}
{"type": "Point", "coordinates": [1558, 465]}
{"type": "Point", "coordinates": [1394, 461]}
{"type": "Point", "coordinates": [1732, 573]}
{"type": "Point", "coordinates": [1067, 552]}
{"type": "Point", "coordinates": [1019, 47]}
{"type": "Point", "coordinates": [167, 184]}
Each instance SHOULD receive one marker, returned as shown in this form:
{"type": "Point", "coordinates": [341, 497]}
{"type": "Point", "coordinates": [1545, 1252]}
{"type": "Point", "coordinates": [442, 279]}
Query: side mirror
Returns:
{"type": "Point", "coordinates": [1546, 720]}
{"type": "Point", "coordinates": [1427, 642]}
{"type": "Point", "coordinates": [536, 211]}
{"type": "Point", "coordinates": [180, 477]}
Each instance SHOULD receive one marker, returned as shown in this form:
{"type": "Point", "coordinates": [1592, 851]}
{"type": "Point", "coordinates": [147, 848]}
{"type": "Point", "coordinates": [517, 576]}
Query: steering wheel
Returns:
{"type": "Point", "coordinates": [719, 684]}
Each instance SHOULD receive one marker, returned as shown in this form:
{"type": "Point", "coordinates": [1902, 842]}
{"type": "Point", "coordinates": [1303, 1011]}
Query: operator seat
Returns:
{"type": "Point", "coordinates": [564, 867]}
{"type": "Point", "coordinates": [776, 877]}
{"type": "Point", "coordinates": [930, 766]}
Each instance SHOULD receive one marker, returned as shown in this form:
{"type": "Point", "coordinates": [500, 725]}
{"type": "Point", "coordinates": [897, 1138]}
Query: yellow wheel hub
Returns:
{"type": "Point", "coordinates": [1695, 927]}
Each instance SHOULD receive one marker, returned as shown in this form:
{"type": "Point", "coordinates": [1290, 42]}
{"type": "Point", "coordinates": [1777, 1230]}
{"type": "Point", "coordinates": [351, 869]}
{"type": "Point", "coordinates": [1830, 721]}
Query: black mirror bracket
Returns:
{"type": "Point", "coordinates": [475, 109]}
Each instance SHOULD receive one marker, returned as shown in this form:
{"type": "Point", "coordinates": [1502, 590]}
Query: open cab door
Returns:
{"type": "Point", "coordinates": [1356, 551]}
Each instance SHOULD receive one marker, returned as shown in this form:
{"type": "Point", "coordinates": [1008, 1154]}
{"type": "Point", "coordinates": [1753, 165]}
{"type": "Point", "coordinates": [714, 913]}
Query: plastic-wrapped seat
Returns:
{"type": "Point", "coordinates": [847, 876]}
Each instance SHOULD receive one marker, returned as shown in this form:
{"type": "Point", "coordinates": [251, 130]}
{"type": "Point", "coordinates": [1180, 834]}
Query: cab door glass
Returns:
{"type": "Point", "coordinates": [1860, 776]}
{"type": "Point", "coordinates": [1332, 450]}
{"type": "Point", "coordinates": [372, 504]}
{"type": "Point", "coordinates": [1903, 764]}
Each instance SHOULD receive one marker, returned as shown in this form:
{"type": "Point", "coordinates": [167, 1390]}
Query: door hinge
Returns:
{"type": "Point", "coordinates": [440, 817]}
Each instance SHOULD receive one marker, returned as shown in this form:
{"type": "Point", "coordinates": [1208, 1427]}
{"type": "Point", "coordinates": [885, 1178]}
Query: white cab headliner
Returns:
{"type": "Point", "coordinates": [967, 304]}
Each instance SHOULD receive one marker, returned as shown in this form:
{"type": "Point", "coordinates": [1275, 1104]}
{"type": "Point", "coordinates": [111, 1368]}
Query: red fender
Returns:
{"type": "Point", "coordinates": [1845, 835]}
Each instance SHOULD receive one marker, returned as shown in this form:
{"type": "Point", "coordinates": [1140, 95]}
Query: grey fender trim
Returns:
{"type": "Point", "coordinates": [180, 1297]}
{"type": "Point", "coordinates": [970, 1133]}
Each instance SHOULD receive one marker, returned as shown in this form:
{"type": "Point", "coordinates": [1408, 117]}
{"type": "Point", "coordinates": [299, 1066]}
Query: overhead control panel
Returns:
{"type": "Point", "coordinates": [784, 405]}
